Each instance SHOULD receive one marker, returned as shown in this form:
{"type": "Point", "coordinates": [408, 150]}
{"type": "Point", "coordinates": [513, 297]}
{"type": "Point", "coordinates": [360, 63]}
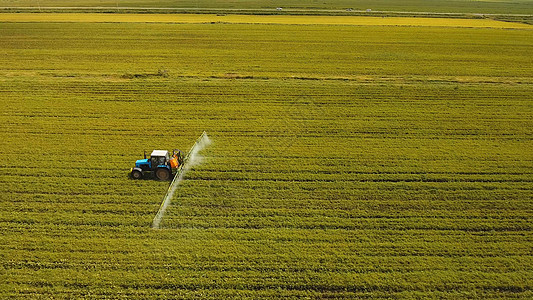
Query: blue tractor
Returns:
{"type": "Point", "coordinates": [160, 165]}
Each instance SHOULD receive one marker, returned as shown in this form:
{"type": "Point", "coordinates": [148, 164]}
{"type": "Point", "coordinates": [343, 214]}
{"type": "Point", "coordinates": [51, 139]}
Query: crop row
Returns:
{"type": "Point", "coordinates": [275, 50]}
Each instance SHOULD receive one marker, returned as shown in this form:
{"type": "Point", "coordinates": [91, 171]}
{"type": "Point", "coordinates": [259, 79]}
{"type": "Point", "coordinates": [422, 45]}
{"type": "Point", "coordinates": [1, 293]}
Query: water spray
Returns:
{"type": "Point", "coordinates": [189, 161]}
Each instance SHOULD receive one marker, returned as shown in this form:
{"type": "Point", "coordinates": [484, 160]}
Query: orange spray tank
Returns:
{"type": "Point", "coordinates": [174, 163]}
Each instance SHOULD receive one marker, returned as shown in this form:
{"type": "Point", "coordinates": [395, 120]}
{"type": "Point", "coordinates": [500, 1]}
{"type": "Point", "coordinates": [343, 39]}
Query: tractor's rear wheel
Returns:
{"type": "Point", "coordinates": [162, 174]}
{"type": "Point", "coordinates": [136, 174]}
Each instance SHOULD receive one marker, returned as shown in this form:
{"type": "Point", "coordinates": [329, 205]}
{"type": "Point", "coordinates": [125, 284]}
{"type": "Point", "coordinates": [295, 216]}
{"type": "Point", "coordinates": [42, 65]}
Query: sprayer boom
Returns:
{"type": "Point", "coordinates": [199, 144]}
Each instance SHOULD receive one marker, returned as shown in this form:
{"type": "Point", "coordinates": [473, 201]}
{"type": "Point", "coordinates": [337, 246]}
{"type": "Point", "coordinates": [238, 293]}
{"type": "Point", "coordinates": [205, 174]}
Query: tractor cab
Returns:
{"type": "Point", "coordinates": [159, 158]}
{"type": "Point", "coordinates": [161, 164]}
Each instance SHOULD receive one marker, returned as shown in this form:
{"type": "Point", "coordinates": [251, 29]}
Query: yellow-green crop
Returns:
{"type": "Point", "coordinates": [347, 161]}
{"type": "Point", "coordinates": [257, 19]}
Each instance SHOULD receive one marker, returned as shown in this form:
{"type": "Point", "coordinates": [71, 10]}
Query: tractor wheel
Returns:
{"type": "Point", "coordinates": [162, 174]}
{"type": "Point", "coordinates": [136, 174]}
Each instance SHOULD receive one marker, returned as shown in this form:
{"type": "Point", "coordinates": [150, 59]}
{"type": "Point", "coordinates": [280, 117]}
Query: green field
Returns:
{"type": "Point", "coordinates": [348, 161]}
{"type": "Point", "coordinates": [453, 6]}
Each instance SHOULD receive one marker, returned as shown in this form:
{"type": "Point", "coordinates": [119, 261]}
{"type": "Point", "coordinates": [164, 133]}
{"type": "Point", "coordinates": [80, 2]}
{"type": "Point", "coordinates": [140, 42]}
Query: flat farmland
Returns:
{"type": "Point", "coordinates": [348, 161]}
{"type": "Point", "coordinates": [256, 19]}
{"type": "Point", "coordinates": [453, 6]}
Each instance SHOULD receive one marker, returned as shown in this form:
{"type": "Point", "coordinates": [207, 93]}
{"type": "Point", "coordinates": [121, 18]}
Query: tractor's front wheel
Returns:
{"type": "Point", "coordinates": [162, 174]}
{"type": "Point", "coordinates": [136, 174]}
